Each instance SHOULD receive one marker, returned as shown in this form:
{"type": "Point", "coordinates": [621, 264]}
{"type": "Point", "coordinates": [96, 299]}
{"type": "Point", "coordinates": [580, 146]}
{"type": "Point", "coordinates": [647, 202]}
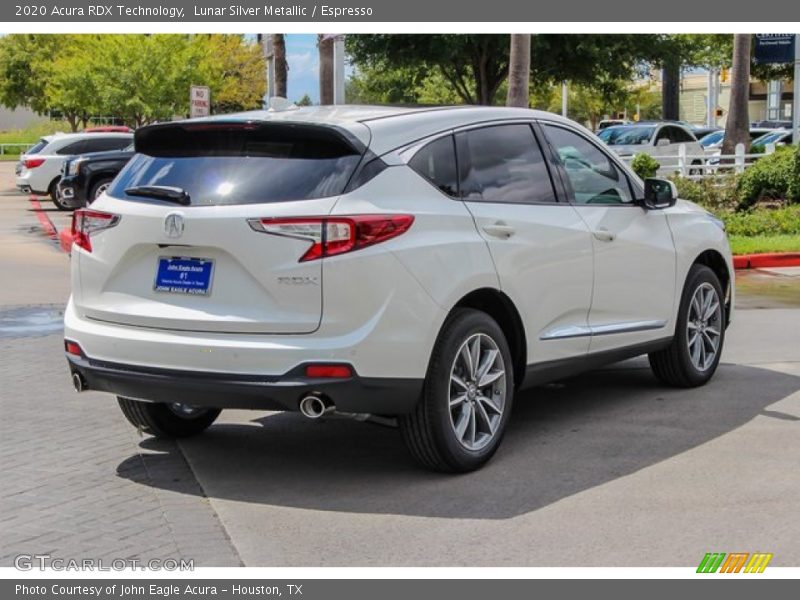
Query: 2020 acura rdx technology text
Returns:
{"type": "Point", "coordinates": [417, 264]}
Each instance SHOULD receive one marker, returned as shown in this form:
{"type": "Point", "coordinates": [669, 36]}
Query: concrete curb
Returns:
{"type": "Point", "coordinates": [767, 260]}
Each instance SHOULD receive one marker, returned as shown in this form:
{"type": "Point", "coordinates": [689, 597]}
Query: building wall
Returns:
{"type": "Point", "coordinates": [19, 118]}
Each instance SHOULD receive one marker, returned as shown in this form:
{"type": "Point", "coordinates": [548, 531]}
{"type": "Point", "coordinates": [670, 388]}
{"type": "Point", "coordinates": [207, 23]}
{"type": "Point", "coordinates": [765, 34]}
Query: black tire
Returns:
{"type": "Point", "coordinates": [160, 420]}
{"type": "Point", "coordinates": [673, 365]}
{"type": "Point", "coordinates": [429, 431]}
{"type": "Point", "coordinates": [696, 171]}
{"type": "Point", "coordinates": [93, 191]}
{"type": "Point", "coordinates": [53, 192]}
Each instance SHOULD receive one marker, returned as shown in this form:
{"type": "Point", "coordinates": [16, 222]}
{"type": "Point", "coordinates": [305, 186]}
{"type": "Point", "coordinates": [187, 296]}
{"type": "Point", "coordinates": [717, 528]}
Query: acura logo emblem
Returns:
{"type": "Point", "coordinates": [173, 225]}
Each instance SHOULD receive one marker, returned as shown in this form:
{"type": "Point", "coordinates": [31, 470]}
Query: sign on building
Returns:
{"type": "Point", "coordinates": [199, 101]}
{"type": "Point", "coordinates": [774, 48]}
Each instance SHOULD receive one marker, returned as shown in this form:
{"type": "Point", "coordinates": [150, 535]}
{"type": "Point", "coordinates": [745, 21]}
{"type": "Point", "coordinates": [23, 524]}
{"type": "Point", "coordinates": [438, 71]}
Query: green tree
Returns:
{"type": "Point", "coordinates": [25, 66]}
{"type": "Point", "coordinates": [234, 69]}
{"type": "Point", "coordinates": [473, 65]}
{"type": "Point", "coordinates": [73, 86]}
{"type": "Point", "coordinates": [304, 101]}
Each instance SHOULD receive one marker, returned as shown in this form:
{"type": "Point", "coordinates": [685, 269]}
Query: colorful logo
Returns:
{"type": "Point", "coordinates": [736, 562]}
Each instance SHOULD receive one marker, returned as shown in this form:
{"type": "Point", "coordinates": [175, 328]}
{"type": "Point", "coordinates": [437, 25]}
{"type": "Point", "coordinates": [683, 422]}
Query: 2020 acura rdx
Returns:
{"type": "Point", "coordinates": [417, 264]}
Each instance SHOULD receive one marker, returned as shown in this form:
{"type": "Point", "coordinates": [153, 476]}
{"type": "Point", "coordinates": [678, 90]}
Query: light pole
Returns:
{"type": "Point", "coordinates": [796, 99]}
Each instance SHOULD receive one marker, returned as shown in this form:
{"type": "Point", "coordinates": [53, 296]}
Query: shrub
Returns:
{"type": "Point", "coordinates": [645, 165]}
{"type": "Point", "coordinates": [769, 177]}
{"type": "Point", "coordinates": [717, 194]}
{"type": "Point", "coordinates": [763, 221]}
{"type": "Point", "coordinates": [794, 184]}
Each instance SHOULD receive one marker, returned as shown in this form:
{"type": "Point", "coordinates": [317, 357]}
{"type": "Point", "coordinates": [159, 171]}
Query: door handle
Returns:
{"type": "Point", "coordinates": [604, 235]}
{"type": "Point", "coordinates": [499, 229]}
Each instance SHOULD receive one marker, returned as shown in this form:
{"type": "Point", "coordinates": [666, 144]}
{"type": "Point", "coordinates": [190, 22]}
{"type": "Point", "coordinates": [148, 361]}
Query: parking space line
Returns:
{"type": "Point", "coordinates": [44, 219]}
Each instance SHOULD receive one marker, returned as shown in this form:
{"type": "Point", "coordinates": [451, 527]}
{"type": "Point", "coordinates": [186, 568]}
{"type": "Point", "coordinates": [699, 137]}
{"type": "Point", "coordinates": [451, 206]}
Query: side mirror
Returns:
{"type": "Point", "coordinates": [659, 194]}
{"type": "Point", "coordinates": [663, 142]}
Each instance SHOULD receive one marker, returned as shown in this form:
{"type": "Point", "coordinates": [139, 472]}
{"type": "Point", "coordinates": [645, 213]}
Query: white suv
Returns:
{"type": "Point", "coordinates": [39, 169]}
{"type": "Point", "coordinates": [417, 265]}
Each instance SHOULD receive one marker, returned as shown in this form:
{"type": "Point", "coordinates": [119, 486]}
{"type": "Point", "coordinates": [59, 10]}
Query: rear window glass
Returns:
{"type": "Point", "coordinates": [219, 164]}
{"type": "Point", "coordinates": [37, 147]}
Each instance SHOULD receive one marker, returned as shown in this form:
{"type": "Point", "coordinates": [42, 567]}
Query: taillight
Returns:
{"type": "Point", "coordinates": [32, 163]}
{"type": "Point", "coordinates": [86, 222]}
{"type": "Point", "coordinates": [330, 236]}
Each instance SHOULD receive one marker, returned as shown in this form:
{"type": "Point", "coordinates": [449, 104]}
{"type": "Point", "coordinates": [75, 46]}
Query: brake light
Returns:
{"type": "Point", "coordinates": [329, 371]}
{"type": "Point", "coordinates": [32, 163]}
{"type": "Point", "coordinates": [86, 222]}
{"type": "Point", "coordinates": [330, 236]}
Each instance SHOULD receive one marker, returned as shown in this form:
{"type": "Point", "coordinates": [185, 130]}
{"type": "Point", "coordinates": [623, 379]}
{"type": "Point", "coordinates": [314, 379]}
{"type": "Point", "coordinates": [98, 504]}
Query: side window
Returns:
{"type": "Point", "coordinates": [681, 136]}
{"type": "Point", "coordinates": [73, 148]}
{"type": "Point", "coordinates": [436, 162]}
{"type": "Point", "coordinates": [665, 134]}
{"type": "Point", "coordinates": [594, 178]}
{"type": "Point", "coordinates": [102, 144]}
{"type": "Point", "coordinates": [503, 163]}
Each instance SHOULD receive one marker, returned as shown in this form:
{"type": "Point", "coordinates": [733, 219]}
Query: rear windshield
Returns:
{"type": "Point", "coordinates": [219, 164]}
{"type": "Point", "coordinates": [37, 147]}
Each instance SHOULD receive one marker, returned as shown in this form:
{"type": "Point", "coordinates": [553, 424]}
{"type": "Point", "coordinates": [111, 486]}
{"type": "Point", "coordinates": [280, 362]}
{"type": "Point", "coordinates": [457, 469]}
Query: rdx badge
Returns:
{"type": "Point", "coordinates": [298, 281]}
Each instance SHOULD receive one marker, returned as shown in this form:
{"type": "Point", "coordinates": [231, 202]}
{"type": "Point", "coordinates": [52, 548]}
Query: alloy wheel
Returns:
{"type": "Point", "coordinates": [704, 326]}
{"type": "Point", "coordinates": [477, 391]}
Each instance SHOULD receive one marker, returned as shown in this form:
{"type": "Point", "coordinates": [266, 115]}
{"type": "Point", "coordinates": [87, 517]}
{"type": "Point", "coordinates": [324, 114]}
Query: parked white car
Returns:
{"type": "Point", "coordinates": [661, 140]}
{"type": "Point", "coordinates": [421, 265]}
{"type": "Point", "coordinates": [39, 169]}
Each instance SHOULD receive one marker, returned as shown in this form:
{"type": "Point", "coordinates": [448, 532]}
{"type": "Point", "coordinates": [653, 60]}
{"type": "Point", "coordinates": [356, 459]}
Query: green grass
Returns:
{"type": "Point", "coordinates": [9, 157]}
{"type": "Point", "coordinates": [31, 134]}
{"type": "Point", "coordinates": [764, 243]}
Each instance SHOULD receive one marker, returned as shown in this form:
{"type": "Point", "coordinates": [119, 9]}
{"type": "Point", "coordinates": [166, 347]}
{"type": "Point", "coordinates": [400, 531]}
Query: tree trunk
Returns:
{"type": "Point", "coordinates": [737, 127]}
{"type": "Point", "coordinates": [281, 68]}
{"type": "Point", "coordinates": [325, 44]}
{"type": "Point", "coordinates": [519, 70]}
{"type": "Point", "coordinates": [671, 90]}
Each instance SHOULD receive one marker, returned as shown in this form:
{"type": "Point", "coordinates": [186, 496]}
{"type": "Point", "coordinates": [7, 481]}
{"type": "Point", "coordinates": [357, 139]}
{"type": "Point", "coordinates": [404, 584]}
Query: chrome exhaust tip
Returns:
{"type": "Point", "coordinates": [79, 383]}
{"type": "Point", "coordinates": [314, 407]}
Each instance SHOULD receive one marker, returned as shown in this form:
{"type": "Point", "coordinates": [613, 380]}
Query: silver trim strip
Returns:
{"type": "Point", "coordinates": [572, 331]}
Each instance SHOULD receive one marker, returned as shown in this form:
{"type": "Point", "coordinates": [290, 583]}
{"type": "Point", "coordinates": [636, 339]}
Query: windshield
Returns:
{"type": "Point", "coordinates": [769, 138]}
{"type": "Point", "coordinates": [712, 138]}
{"type": "Point", "coordinates": [626, 136]}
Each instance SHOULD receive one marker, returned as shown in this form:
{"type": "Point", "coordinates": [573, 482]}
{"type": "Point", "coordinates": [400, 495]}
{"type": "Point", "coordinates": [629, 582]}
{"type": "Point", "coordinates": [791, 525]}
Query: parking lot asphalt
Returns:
{"type": "Point", "coordinates": [606, 469]}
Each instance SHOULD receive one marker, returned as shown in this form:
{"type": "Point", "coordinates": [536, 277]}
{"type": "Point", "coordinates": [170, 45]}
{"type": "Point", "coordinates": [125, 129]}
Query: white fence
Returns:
{"type": "Point", "coordinates": [698, 166]}
{"type": "Point", "coordinates": [21, 148]}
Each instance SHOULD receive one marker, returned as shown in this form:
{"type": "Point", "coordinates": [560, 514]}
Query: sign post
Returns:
{"type": "Point", "coordinates": [199, 101]}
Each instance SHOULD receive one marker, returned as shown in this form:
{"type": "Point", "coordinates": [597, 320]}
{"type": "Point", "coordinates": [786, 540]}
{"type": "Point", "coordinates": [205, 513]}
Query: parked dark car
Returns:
{"type": "Point", "coordinates": [87, 176]}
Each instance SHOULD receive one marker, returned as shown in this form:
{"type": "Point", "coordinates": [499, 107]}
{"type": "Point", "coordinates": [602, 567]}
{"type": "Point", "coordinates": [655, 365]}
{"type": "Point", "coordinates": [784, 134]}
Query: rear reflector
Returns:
{"type": "Point", "coordinates": [72, 348]}
{"type": "Point", "coordinates": [86, 222]}
{"type": "Point", "coordinates": [330, 236]}
{"type": "Point", "coordinates": [329, 371]}
{"type": "Point", "coordinates": [32, 163]}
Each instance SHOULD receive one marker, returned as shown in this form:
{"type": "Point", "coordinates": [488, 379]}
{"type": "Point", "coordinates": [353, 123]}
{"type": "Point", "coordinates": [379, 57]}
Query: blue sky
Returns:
{"type": "Point", "coordinates": [303, 58]}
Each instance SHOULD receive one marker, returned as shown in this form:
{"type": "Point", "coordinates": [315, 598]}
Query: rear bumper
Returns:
{"type": "Point", "coordinates": [384, 396]}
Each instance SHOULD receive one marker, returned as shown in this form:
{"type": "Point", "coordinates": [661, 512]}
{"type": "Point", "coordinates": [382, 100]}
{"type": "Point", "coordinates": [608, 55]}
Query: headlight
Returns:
{"type": "Point", "coordinates": [74, 166]}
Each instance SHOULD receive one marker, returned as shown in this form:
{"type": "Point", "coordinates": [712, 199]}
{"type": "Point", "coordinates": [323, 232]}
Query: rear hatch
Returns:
{"type": "Point", "coordinates": [187, 251]}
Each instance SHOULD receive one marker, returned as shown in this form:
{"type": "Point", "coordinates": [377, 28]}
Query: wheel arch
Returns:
{"type": "Point", "coordinates": [502, 309]}
{"type": "Point", "coordinates": [716, 262]}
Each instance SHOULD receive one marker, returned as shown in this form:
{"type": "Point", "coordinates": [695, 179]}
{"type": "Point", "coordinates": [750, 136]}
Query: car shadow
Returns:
{"type": "Point", "coordinates": [562, 439]}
